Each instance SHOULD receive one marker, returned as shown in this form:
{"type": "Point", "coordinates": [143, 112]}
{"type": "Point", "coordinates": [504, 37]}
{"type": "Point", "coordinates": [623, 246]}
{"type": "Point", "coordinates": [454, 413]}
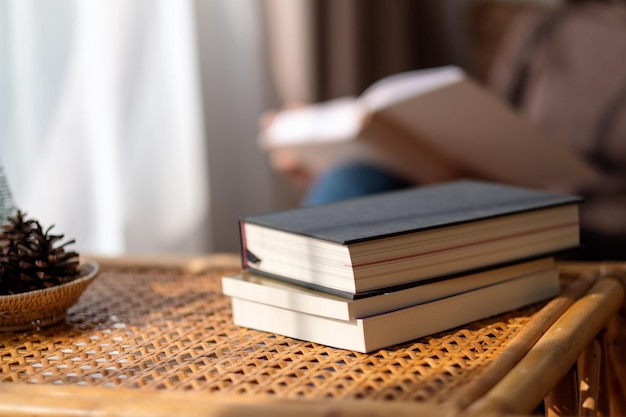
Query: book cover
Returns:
{"type": "Point", "coordinates": [404, 236]}
{"type": "Point", "coordinates": [428, 125]}
{"type": "Point", "coordinates": [388, 329]}
{"type": "Point", "coordinates": [265, 290]}
{"type": "Point", "coordinates": [407, 211]}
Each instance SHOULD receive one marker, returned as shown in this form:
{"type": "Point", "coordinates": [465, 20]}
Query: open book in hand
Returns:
{"type": "Point", "coordinates": [428, 126]}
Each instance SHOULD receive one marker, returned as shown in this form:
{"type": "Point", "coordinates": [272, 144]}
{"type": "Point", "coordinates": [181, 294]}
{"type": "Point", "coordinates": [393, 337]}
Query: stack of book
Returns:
{"type": "Point", "coordinates": [375, 271]}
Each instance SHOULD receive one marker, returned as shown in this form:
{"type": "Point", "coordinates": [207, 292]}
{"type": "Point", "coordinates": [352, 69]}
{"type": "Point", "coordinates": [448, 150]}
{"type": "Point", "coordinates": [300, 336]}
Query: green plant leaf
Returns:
{"type": "Point", "coordinates": [7, 206]}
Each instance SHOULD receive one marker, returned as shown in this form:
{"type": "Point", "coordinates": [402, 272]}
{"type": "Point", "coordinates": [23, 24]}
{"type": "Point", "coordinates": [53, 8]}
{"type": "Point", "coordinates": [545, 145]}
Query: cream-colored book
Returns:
{"type": "Point", "coordinates": [266, 290]}
{"type": "Point", "coordinates": [384, 330]}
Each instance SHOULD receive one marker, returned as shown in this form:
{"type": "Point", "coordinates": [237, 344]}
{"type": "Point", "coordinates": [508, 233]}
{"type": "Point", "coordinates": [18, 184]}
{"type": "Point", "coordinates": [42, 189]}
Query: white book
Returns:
{"type": "Point", "coordinates": [383, 330]}
{"type": "Point", "coordinates": [428, 125]}
{"type": "Point", "coordinates": [266, 290]}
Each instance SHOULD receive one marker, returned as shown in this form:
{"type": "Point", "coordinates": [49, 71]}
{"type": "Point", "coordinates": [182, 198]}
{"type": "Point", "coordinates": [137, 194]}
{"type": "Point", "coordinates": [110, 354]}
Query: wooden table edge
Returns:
{"type": "Point", "coordinates": [21, 399]}
{"type": "Point", "coordinates": [192, 263]}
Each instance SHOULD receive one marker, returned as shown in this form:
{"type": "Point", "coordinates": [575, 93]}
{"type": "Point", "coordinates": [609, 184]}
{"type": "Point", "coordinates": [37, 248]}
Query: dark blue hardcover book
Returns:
{"type": "Point", "coordinates": [367, 244]}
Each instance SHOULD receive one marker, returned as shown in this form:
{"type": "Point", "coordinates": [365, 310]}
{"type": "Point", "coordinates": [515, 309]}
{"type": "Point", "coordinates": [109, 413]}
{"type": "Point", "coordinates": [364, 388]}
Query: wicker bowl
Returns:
{"type": "Point", "coordinates": [40, 308]}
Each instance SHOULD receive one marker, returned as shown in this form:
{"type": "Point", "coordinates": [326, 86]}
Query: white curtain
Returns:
{"type": "Point", "coordinates": [101, 122]}
{"type": "Point", "coordinates": [236, 90]}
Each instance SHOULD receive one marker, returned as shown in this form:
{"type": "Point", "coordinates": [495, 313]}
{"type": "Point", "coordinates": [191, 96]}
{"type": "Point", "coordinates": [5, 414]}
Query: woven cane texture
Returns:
{"type": "Point", "coordinates": [166, 328]}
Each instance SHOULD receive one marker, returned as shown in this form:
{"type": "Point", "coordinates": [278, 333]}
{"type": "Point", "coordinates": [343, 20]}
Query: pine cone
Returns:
{"type": "Point", "coordinates": [30, 258]}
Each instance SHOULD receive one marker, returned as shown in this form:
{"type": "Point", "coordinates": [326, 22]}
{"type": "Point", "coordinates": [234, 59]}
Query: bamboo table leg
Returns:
{"type": "Point", "coordinates": [616, 363]}
{"type": "Point", "coordinates": [589, 367]}
{"type": "Point", "coordinates": [582, 391]}
{"type": "Point", "coordinates": [563, 399]}
{"type": "Point", "coordinates": [524, 341]}
{"type": "Point", "coordinates": [585, 390]}
{"type": "Point", "coordinates": [554, 354]}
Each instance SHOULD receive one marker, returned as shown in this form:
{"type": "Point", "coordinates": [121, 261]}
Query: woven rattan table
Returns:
{"type": "Point", "coordinates": [156, 337]}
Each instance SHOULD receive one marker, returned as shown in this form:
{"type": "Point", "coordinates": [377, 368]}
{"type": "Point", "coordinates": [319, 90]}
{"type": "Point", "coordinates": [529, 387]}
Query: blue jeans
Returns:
{"type": "Point", "coordinates": [350, 181]}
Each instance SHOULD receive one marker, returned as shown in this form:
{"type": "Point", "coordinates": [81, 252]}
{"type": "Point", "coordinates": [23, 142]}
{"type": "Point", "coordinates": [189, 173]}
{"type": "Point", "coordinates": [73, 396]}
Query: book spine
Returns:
{"type": "Point", "coordinates": [242, 244]}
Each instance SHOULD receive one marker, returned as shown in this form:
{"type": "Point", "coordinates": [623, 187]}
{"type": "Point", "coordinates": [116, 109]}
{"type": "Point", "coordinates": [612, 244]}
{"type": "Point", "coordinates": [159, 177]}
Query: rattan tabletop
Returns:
{"type": "Point", "coordinates": [166, 327]}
